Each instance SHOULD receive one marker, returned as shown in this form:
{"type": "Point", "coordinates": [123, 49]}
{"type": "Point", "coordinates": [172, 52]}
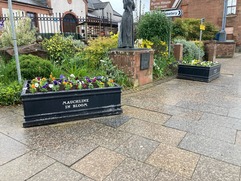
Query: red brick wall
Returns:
{"type": "Point", "coordinates": [24, 7]}
{"type": "Point", "coordinates": [212, 11]}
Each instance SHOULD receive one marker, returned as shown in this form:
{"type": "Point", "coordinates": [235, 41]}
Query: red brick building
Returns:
{"type": "Point", "coordinates": [212, 11]}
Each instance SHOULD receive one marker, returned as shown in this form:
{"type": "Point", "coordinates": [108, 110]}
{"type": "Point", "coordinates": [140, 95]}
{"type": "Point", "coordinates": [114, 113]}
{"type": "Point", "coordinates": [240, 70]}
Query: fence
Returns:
{"type": "Point", "coordinates": [79, 28]}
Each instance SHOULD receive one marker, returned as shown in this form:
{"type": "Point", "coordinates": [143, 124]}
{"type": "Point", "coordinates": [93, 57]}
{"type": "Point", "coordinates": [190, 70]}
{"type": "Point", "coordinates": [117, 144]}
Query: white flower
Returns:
{"type": "Point", "coordinates": [36, 84]}
{"type": "Point", "coordinates": [72, 76]}
{"type": "Point", "coordinates": [51, 86]}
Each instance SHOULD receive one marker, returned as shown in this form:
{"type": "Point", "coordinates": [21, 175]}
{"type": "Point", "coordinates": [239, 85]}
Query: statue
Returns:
{"type": "Point", "coordinates": [126, 34]}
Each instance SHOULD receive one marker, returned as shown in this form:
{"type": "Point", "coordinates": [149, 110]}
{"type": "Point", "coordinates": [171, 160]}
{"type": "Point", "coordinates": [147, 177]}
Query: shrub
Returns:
{"type": "Point", "coordinates": [24, 33]}
{"type": "Point", "coordinates": [190, 50]}
{"type": "Point", "coordinates": [154, 25]}
{"type": "Point", "coordinates": [10, 93]}
{"type": "Point", "coordinates": [59, 48]}
{"type": "Point", "coordinates": [163, 66]}
{"type": "Point", "coordinates": [98, 48]}
{"type": "Point", "coordinates": [31, 66]}
{"type": "Point", "coordinates": [189, 29]}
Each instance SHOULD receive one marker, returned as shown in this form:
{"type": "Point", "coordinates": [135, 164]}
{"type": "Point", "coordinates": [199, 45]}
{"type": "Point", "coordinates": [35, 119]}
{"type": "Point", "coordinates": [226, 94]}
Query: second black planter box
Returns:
{"type": "Point", "coordinates": [199, 73]}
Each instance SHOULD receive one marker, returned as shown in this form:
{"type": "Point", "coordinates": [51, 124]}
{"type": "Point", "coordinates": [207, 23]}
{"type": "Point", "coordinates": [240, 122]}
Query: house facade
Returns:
{"type": "Point", "coordinates": [103, 10]}
{"type": "Point", "coordinates": [65, 16]}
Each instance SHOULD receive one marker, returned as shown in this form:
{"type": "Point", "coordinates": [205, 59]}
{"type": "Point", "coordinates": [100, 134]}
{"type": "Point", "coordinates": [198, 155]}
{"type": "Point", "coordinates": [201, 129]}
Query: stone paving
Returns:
{"type": "Point", "coordinates": [178, 130]}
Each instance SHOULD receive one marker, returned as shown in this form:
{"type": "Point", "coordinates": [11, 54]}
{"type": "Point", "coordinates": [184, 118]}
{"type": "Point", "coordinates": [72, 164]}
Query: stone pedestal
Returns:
{"type": "Point", "coordinates": [210, 48]}
{"type": "Point", "coordinates": [178, 51]}
{"type": "Point", "coordinates": [136, 63]}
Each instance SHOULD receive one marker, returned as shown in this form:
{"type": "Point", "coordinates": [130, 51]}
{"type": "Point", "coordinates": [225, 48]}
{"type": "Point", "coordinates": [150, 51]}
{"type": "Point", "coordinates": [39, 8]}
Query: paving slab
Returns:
{"type": "Point", "coordinates": [235, 112]}
{"type": "Point", "coordinates": [138, 148]}
{"type": "Point", "coordinates": [145, 115]}
{"type": "Point", "coordinates": [112, 121]}
{"type": "Point", "coordinates": [153, 131]}
{"type": "Point", "coordinates": [57, 172]}
{"type": "Point", "coordinates": [209, 169]}
{"type": "Point", "coordinates": [99, 163]}
{"type": "Point", "coordinates": [174, 160]}
{"type": "Point", "coordinates": [208, 130]}
{"type": "Point", "coordinates": [219, 150]}
{"type": "Point", "coordinates": [224, 121]}
{"type": "Point", "coordinates": [130, 170]}
{"type": "Point", "coordinates": [168, 176]}
{"type": "Point", "coordinates": [10, 149]}
{"type": "Point", "coordinates": [238, 138]}
{"type": "Point", "coordinates": [108, 137]}
{"type": "Point", "coordinates": [25, 166]}
{"type": "Point", "coordinates": [203, 107]}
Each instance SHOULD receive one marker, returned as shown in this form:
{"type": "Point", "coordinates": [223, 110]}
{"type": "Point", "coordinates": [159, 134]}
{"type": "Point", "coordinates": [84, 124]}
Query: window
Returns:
{"type": "Point", "coordinates": [33, 17]}
{"type": "Point", "coordinates": [231, 8]}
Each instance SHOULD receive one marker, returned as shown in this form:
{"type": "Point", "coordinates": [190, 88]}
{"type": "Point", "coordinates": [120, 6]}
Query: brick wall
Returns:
{"type": "Point", "coordinates": [212, 11]}
{"type": "Point", "coordinates": [225, 49]}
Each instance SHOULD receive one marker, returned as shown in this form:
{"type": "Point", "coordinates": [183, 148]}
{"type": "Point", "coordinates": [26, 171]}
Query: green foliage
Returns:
{"type": "Point", "coordinates": [10, 93]}
{"type": "Point", "coordinates": [75, 66]}
{"type": "Point", "coordinates": [179, 29]}
{"type": "Point", "coordinates": [189, 29]}
{"type": "Point", "coordinates": [163, 66]}
{"type": "Point", "coordinates": [31, 66]}
{"type": "Point", "coordinates": [24, 34]}
{"type": "Point", "coordinates": [97, 49]}
{"type": "Point", "coordinates": [59, 48]}
{"type": "Point", "coordinates": [114, 73]}
{"type": "Point", "coordinates": [154, 25]}
{"type": "Point", "coordinates": [190, 50]}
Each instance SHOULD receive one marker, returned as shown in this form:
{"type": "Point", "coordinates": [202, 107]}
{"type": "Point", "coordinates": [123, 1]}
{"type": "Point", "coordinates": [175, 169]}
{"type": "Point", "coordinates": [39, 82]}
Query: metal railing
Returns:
{"type": "Point", "coordinates": [79, 28]}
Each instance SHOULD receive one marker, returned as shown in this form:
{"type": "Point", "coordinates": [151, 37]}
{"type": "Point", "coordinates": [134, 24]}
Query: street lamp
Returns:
{"type": "Point", "coordinates": [222, 33]}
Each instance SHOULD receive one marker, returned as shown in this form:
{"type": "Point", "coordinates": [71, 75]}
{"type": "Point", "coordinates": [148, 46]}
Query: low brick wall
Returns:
{"type": "Point", "coordinates": [225, 49]}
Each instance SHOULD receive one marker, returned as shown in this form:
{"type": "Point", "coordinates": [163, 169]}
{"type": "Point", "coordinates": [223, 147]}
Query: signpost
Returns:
{"type": "Point", "coordinates": [164, 4]}
{"type": "Point", "coordinates": [169, 8]}
{"type": "Point", "coordinates": [173, 13]}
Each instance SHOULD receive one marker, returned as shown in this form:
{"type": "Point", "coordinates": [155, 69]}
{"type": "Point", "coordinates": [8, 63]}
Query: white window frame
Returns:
{"type": "Point", "coordinates": [231, 7]}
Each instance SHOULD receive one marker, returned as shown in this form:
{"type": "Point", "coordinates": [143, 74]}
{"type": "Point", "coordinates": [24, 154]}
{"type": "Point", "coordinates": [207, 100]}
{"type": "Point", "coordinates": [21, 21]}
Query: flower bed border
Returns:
{"type": "Point", "coordinates": [199, 73]}
{"type": "Point", "coordinates": [54, 107]}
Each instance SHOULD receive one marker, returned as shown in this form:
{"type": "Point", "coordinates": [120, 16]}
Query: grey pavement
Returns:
{"type": "Point", "coordinates": [177, 130]}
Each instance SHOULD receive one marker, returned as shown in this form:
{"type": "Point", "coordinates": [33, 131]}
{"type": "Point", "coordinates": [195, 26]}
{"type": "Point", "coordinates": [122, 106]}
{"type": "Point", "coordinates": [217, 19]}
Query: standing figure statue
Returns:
{"type": "Point", "coordinates": [126, 34]}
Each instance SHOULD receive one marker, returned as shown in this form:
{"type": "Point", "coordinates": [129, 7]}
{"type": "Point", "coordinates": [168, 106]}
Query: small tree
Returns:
{"type": "Point", "coordinates": [154, 26]}
{"type": "Point", "coordinates": [24, 33]}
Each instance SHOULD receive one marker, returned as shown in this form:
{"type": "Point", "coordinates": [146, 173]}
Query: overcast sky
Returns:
{"type": "Point", "coordinates": [118, 5]}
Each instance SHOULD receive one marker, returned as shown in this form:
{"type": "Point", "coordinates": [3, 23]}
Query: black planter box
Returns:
{"type": "Point", "coordinates": [55, 107]}
{"type": "Point", "coordinates": [199, 73]}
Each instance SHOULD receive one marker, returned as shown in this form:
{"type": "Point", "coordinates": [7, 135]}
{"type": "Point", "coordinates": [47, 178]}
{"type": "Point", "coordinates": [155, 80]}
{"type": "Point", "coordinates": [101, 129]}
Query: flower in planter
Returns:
{"type": "Point", "coordinates": [196, 62]}
{"type": "Point", "coordinates": [68, 83]}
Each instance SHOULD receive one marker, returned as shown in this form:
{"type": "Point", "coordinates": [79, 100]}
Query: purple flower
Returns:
{"type": "Point", "coordinates": [55, 82]}
{"type": "Point", "coordinates": [45, 86]}
{"type": "Point", "coordinates": [62, 76]}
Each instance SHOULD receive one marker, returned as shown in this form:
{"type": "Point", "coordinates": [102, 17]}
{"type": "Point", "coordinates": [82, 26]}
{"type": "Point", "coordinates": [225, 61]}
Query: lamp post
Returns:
{"type": "Point", "coordinates": [14, 39]}
{"type": "Point", "coordinates": [222, 33]}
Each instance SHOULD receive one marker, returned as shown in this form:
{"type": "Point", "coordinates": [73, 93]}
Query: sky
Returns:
{"type": "Point", "coordinates": [118, 5]}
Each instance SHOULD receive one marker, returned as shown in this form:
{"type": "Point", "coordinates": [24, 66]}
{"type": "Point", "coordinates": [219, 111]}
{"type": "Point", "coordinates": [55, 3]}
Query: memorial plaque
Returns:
{"type": "Point", "coordinates": [145, 61]}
